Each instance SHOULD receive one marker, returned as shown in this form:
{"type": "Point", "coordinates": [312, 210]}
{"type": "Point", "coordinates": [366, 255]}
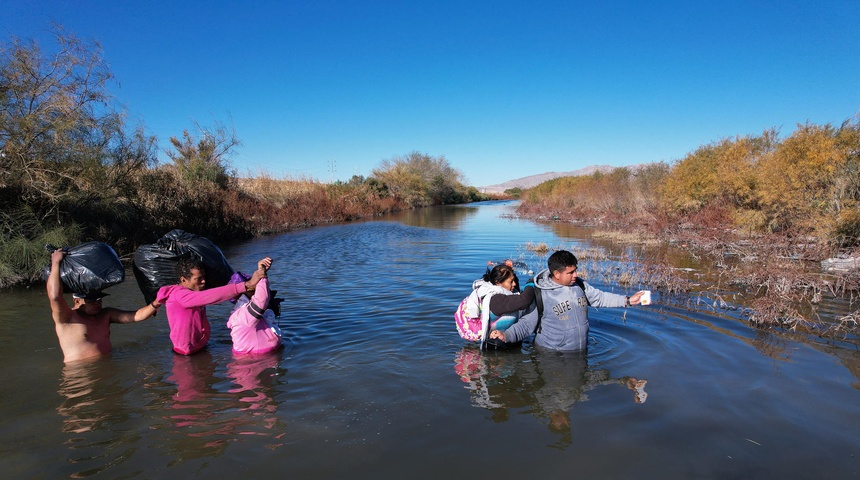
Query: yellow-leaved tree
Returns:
{"type": "Point", "coordinates": [795, 189]}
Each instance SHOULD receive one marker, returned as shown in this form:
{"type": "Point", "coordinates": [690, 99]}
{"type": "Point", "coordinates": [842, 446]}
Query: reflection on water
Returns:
{"type": "Point", "coordinates": [771, 345]}
{"type": "Point", "coordinates": [82, 408]}
{"type": "Point", "coordinates": [207, 415]}
{"type": "Point", "coordinates": [93, 407]}
{"type": "Point", "coordinates": [545, 384]}
{"type": "Point", "coordinates": [253, 376]}
{"type": "Point", "coordinates": [435, 217]}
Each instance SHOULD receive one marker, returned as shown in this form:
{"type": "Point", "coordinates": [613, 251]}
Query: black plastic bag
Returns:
{"type": "Point", "coordinates": [155, 264]}
{"type": "Point", "coordinates": [89, 267]}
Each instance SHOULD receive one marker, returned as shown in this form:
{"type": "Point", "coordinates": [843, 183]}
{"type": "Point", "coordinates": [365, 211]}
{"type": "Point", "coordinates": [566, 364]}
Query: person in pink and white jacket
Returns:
{"type": "Point", "coordinates": [186, 304]}
{"type": "Point", "coordinates": [252, 324]}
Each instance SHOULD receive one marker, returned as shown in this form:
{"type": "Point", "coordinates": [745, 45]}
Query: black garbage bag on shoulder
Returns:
{"type": "Point", "coordinates": [155, 264]}
{"type": "Point", "coordinates": [88, 268]}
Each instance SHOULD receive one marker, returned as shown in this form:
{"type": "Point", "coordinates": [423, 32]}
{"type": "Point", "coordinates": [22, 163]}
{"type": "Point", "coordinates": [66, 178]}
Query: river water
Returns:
{"type": "Point", "coordinates": [374, 381]}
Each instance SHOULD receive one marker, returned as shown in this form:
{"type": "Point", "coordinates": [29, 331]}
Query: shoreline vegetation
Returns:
{"type": "Point", "coordinates": [73, 170]}
{"type": "Point", "coordinates": [777, 219]}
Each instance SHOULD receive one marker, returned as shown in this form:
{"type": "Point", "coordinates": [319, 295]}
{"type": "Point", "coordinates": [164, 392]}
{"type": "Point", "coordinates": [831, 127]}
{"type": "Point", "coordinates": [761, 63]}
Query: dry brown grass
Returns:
{"type": "Point", "coordinates": [280, 192]}
{"type": "Point", "coordinates": [635, 237]}
{"type": "Point", "coordinates": [539, 248]}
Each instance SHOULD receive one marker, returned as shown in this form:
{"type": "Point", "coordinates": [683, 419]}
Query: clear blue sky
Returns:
{"type": "Point", "coordinates": [502, 89]}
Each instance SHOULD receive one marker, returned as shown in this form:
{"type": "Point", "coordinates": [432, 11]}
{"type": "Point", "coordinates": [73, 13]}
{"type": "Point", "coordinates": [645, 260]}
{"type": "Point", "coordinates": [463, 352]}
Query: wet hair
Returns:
{"type": "Point", "coordinates": [186, 265]}
{"type": "Point", "coordinates": [499, 274]}
{"type": "Point", "coordinates": [560, 260]}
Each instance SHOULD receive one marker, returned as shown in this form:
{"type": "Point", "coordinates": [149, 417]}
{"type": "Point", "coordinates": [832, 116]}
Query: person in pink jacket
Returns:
{"type": "Point", "coordinates": [252, 324]}
{"type": "Point", "coordinates": [186, 304]}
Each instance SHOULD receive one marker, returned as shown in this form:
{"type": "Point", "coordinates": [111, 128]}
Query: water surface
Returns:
{"type": "Point", "coordinates": [375, 383]}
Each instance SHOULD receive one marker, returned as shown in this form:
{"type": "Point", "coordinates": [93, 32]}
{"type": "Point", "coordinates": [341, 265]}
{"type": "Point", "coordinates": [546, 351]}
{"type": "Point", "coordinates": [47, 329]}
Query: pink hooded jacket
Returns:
{"type": "Point", "coordinates": [248, 327]}
{"type": "Point", "coordinates": [186, 313]}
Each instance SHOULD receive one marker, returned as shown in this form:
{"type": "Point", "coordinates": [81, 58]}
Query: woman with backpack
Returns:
{"type": "Point", "coordinates": [495, 303]}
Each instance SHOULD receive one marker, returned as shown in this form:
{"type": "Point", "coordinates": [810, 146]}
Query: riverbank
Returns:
{"type": "Point", "coordinates": [780, 276]}
{"type": "Point", "coordinates": [159, 200]}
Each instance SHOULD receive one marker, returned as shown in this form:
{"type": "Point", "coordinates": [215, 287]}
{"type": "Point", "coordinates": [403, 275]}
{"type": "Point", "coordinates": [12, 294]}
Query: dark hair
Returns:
{"type": "Point", "coordinates": [499, 274]}
{"type": "Point", "coordinates": [187, 264]}
{"type": "Point", "coordinates": [560, 260]}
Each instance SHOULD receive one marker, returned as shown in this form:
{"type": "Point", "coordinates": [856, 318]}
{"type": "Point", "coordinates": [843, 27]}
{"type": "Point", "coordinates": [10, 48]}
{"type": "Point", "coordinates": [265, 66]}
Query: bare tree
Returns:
{"type": "Point", "coordinates": [63, 140]}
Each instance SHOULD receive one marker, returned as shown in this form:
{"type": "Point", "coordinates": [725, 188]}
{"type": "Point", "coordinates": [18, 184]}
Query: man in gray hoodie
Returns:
{"type": "Point", "coordinates": [566, 299]}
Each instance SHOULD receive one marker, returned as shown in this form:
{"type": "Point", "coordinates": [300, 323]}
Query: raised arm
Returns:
{"type": "Point", "coordinates": [260, 273]}
{"type": "Point", "coordinates": [60, 310]}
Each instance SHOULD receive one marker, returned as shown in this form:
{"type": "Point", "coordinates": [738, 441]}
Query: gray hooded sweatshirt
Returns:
{"type": "Point", "coordinates": [565, 314]}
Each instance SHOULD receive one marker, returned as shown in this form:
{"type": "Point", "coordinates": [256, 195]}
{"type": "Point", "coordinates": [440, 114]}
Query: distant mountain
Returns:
{"type": "Point", "coordinates": [533, 180]}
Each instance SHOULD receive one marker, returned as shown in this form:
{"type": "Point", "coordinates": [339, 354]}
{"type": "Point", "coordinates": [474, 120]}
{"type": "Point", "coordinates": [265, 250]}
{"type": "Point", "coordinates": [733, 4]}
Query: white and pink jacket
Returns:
{"type": "Point", "coordinates": [252, 324]}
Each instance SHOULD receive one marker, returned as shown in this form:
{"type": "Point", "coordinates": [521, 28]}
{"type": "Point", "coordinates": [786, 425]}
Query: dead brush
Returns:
{"type": "Point", "coordinates": [538, 248]}
{"type": "Point", "coordinates": [279, 192]}
{"type": "Point", "coordinates": [593, 253]}
{"type": "Point", "coordinates": [847, 325]}
{"type": "Point", "coordinates": [772, 273]}
{"type": "Point", "coordinates": [627, 238]}
{"type": "Point", "coordinates": [780, 274]}
{"type": "Point", "coordinates": [626, 279]}
{"type": "Point", "coordinates": [779, 311]}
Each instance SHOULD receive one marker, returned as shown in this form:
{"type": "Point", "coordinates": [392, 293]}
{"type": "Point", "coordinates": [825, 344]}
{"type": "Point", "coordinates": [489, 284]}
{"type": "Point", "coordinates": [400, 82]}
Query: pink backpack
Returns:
{"type": "Point", "coordinates": [468, 327]}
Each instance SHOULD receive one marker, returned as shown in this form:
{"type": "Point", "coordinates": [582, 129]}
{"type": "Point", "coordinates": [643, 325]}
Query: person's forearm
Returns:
{"type": "Point", "coordinates": [521, 329]}
{"type": "Point", "coordinates": [54, 286]}
{"type": "Point", "coordinates": [504, 304]}
{"type": "Point", "coordinates": [146, 312]}
{"type": "Point", "coordinates": [261, 295]}
{"type": "Point", "coordinates": [192, 298]}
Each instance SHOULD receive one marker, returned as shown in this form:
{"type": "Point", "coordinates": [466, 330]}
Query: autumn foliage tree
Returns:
{"type": "Point", "coordinates": [802, 184]}
{"type": "Point", "coordinates": [806, 183]}
{"type": "Point", "coordinates": [722, 172]}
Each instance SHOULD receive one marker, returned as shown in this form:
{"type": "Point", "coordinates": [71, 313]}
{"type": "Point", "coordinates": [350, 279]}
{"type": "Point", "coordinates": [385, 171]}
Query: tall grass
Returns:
{"type": "Point", "coordinates": [22, 247]}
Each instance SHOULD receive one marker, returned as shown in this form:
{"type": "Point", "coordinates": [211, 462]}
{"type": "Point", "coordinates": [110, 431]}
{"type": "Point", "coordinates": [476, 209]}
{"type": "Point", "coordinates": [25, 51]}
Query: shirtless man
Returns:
{"type": "Point", "coordinates": [84, 330]}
